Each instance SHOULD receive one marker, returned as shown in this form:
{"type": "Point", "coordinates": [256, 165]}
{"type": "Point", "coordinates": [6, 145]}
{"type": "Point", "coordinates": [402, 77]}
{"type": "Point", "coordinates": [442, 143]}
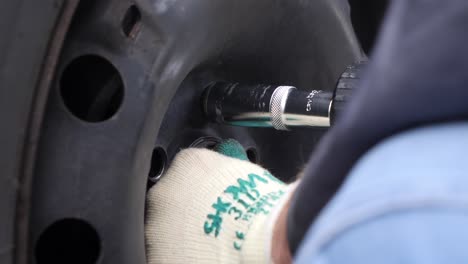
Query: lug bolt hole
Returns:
{"type": "Point", "coordinates": [207, 142]}
{"type": "Point", "coordinates": [252, 155]}
{"type": "Point", "coordinates": [158, 164]}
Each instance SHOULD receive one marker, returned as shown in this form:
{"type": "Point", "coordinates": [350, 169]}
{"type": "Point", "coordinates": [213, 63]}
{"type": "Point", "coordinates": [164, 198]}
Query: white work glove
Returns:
{"type": "Point", "coordinates": [211, 208]}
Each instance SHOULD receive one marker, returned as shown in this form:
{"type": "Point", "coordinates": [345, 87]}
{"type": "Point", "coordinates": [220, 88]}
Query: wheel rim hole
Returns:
{"type": "Point", "coordinates": [131, 22]}
{"type": "Point", "coordinates": [252, 155]}
{"type": "Point", "coordinates": [158, 164]}
{"type": "Point", "coordinates": [92, 88]}
{"type": "Point", "coordinates": [68, 241]}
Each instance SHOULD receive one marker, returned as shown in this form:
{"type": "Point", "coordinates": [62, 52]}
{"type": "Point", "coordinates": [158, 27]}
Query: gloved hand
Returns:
{"type": "Point", "coordinates": [213, 208]}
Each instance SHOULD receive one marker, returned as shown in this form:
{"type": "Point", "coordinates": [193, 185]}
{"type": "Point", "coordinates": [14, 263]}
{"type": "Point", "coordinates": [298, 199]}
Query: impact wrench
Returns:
{"type": "Point", "coordinates": [279, 107]}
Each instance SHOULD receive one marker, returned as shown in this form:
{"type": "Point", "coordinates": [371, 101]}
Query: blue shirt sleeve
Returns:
{"type": "Point", "coordinates": [405, 201]}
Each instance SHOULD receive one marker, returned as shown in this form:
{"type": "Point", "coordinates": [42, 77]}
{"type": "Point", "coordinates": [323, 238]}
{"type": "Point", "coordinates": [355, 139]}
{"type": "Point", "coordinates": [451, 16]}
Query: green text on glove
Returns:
{"type": "Point", "coordinates": [249, 202]}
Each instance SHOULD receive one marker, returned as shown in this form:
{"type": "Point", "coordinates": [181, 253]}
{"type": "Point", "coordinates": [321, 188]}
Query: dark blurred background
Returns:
{"type": "Point", "coordinates": [367, 16]}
